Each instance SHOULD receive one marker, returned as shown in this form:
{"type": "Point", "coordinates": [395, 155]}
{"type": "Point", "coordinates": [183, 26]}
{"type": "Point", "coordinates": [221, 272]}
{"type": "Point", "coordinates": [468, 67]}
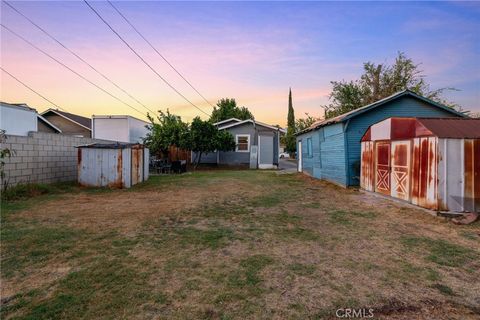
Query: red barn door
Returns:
{"type": "Point", "coordinates": [382, 167]}
{"type": "Point", "coordinates": [400, 183]}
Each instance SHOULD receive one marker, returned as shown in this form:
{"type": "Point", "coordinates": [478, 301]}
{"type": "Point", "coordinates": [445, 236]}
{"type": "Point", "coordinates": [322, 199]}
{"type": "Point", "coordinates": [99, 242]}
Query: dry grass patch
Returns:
{"type": "Point", "coordinates": [233, 245]}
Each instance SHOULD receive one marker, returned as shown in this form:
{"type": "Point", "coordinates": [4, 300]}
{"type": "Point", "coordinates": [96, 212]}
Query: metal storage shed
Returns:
{"type": "Point", "coordinates": [431, 162]}
{"type": "Point", "coordinates": [118, 165]}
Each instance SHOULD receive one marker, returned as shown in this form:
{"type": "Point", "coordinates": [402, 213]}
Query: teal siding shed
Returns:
{"type": "Point", "coordinates": [335, 154]}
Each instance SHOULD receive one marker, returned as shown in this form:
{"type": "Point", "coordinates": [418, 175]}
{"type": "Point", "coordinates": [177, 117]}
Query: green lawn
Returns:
{"type": "Point", "coordinates": [231, 245]}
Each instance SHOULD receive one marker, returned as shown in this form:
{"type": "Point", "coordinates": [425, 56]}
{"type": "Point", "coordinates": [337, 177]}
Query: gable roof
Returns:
{"type": "Point", "coordinates": [81, 121]}
{"type": "Point", "coordinates": [48, 123]}
{"type": "Point", "coordinates": [226, 120]}
{"type": "Point", "coordinates": [351, 114]}
{"type": "Point", "coordinates": [257, 123]}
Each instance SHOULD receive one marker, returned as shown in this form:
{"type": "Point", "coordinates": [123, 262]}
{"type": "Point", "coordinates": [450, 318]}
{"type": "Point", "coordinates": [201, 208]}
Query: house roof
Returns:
{"type": "Point", "coordinates": [82, 121]}
{"type": "Point", "coordinates": [257, 123]}
{"type": "Point", "coordinates": [351, 114]}
{"type": "Point", "coordinates": [48, 123]}
{"type": "Point", "coordinates": [227, 120]}
{"type": "Point", "coordinates": [22, 106]}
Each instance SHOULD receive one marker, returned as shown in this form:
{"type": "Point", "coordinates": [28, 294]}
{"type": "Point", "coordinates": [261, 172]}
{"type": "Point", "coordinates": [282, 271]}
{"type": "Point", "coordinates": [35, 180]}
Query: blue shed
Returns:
{"type": "Point", "coordinates": [330, 149]}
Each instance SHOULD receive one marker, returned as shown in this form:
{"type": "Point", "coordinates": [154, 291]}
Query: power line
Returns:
{"type": "Point", "coordinates": [161, 56]}
{"type": "Point", "coordinates": [31, 89]}
{"type": "Point", "coordinates": [73, 71]}
{"type": "Point", "coordinates": [142, 59]}
{"type": "Point", "coordinates": [77, 56]}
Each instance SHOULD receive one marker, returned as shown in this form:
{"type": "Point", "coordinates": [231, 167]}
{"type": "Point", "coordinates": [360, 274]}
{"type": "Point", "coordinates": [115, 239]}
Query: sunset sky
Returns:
{"type": "Point", "coordinates": [251, 51]}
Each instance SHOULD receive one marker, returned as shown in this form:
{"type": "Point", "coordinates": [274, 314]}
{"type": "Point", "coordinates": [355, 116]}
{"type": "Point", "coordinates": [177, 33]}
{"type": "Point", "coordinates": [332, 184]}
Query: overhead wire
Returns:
{"type": "Point", "coordinates": [161, 55]}
{"type": "Point", "coordinates": [33, 90]}
{"type": "Point", "coordinates": [70, 69]}
{"type": "Point", "coordinates": [142, 59]}
{"type": "Point", "coordinates": [77, 56]}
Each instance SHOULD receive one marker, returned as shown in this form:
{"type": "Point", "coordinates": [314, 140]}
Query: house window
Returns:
{"type": "Point", "coordinates": [243, 142]}
{"type": "Point", "coordinates": [309, 147]}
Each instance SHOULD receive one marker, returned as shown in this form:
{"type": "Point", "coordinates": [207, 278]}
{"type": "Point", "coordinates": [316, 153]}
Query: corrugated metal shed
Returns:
{"type": "Point", "coordinates": [116, 165]}
{"type": "Point", "coordinates": [432, 163]}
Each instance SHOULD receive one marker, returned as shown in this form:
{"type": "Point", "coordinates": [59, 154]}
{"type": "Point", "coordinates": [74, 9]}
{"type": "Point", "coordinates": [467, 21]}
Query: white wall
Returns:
{"type": "Point", "coordinates": [17, 121]}
{"type": "Point", "coordinates": [138, 131]}
{"type": "Point", "coordinates": [119, 128]}
{"type": "Point", "coordinates": [114, 129]}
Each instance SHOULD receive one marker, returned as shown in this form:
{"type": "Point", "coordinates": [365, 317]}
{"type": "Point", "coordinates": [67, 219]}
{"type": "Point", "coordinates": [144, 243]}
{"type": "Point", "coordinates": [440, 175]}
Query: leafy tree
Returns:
{"type": "Point", "coordinates": [227, 108]}
{"type": "Point", "coordinates": [379, 81]}
{"type": "Point", "coordinates": [304, 123]}
{"type": "Point", "coordinates": [167, 130]}
{"type": "Point", "coordinates": [204, 137]}
{"type": "Point", "coordinates": [290, 140]}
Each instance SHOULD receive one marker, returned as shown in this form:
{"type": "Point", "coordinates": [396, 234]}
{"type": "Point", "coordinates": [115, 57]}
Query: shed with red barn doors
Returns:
{"type": "Point", "coordinates": [431, 162]}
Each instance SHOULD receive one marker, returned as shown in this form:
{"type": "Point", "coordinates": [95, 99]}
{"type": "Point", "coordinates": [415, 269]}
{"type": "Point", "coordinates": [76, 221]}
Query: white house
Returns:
{"type": "Point", "coordinates": [19, 119]}
{"type": "Point", "coordinates": [121, 128]}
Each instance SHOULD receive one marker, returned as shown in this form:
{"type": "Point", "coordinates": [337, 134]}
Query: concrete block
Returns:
{"type": "Point", "coordinates": [15, 159]}
{"type": "Point", "coordinates": [47, 148]}
{"type": "Point", "coordinates": [15, 173]}
{"type": "Point", "coordinates": [27, 172]}
{"type": "Point", "coordinates": [28, 147]}
{"type": "Point", "coordinates": [17, 146]}
{"type": "Point", "coordinates": [32, 165]}
{"type": "Point", "coordinates": [21, 153]}
{"type": "Point", "coordinates": [11, 139]}
{"type": "Point", "coordinates": [27, 159]}
{"type": "Point", "coordinates": [9, 166]}
{"type": "Point", "coordinates": [22, 140]}
{"type": "Point", "coordinates": [22, 165]}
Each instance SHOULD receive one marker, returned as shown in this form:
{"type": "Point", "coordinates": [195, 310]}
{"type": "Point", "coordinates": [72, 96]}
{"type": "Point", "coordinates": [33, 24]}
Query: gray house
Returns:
{"type": "Point", "coordinates": [257, 145]}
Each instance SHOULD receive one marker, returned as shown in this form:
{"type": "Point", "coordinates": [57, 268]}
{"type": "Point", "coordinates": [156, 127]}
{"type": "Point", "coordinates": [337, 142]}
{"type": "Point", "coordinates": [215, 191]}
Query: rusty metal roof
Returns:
{"type": "Point", "coordinates": [457, 128]}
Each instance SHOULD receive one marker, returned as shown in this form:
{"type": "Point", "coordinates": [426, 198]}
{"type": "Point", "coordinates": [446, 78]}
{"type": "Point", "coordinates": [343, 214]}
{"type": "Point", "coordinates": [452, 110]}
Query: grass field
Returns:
{"type": "Point", "coordinates": [231, 245]}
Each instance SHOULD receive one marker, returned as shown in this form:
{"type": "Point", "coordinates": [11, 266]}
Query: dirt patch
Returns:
{"type": "Point", "coordinates": [125, 211]}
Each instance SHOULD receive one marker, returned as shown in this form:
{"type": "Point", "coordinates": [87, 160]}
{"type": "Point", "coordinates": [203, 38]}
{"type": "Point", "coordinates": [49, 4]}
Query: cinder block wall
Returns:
{"type": "Point", "coordinates": [42, 157]}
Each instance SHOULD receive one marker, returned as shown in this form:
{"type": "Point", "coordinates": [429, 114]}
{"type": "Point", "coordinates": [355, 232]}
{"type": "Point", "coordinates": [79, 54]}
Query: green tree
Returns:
{"type": "Point", "coordinates": [379, 81]}
{"type": "Point", "coordinates": [227, 108]}
{"type": "Point", "coordinates": [290, 139]}
{"type": "Point", "coordinates": [304, 123]}
{"type": "Point", "coordinates": [204, 137]}
{"type": "Point", "coordinates": [165, 131]}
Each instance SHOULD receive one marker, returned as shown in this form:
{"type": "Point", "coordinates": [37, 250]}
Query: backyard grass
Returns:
{"type": "Point", "coordinates": [230, 245]}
